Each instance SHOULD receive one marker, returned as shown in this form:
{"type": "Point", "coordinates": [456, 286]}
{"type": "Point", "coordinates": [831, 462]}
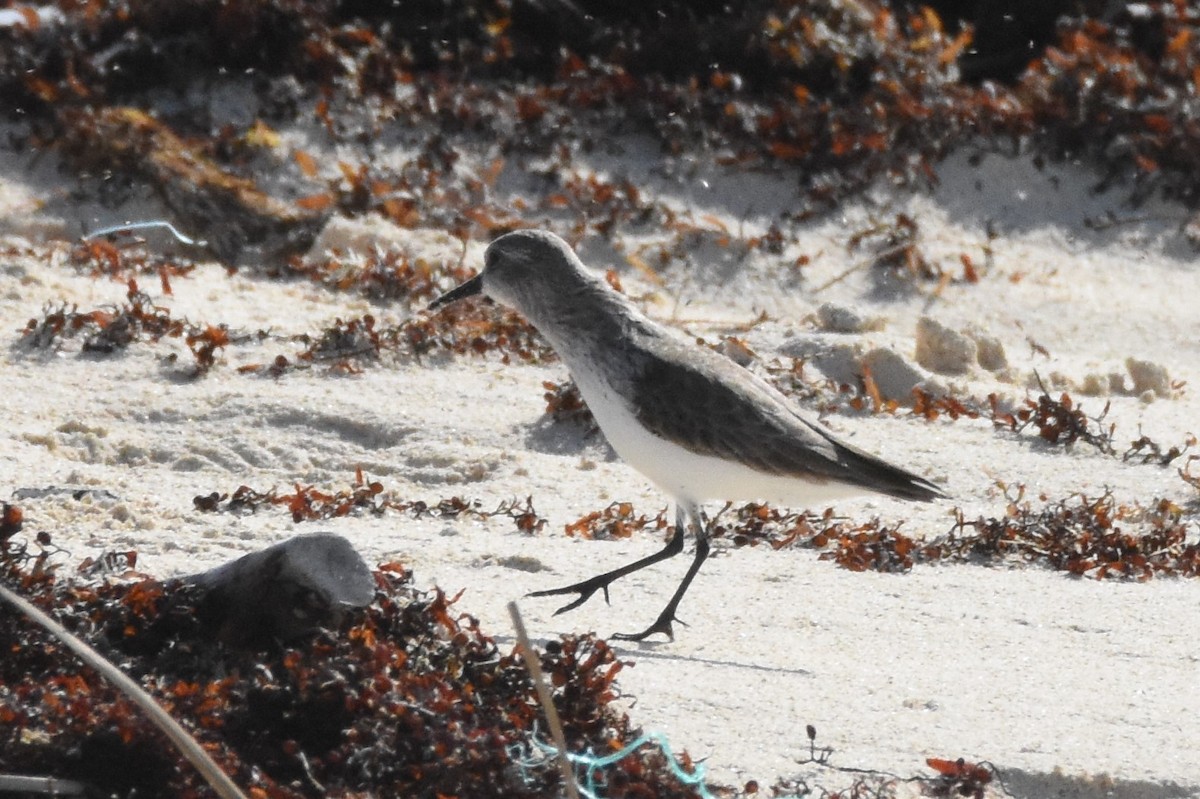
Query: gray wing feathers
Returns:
{"type": "Point", "coordinates": [708, 407]}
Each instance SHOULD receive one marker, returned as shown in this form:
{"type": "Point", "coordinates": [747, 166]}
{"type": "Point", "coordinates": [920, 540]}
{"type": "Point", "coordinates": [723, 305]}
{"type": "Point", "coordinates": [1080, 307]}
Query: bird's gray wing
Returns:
{"type": "Point", "coordinates": [711, 406]}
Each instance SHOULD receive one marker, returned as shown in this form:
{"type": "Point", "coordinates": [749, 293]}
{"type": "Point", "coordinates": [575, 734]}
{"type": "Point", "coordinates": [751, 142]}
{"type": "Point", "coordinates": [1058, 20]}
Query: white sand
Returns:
{"type": "Point", "coordinates": [1071, 687]}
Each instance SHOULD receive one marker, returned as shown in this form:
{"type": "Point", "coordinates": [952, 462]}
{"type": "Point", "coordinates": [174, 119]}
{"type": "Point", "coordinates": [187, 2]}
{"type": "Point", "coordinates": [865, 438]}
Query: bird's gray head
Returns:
{"type": "Point", "coordinates": [525, 270]}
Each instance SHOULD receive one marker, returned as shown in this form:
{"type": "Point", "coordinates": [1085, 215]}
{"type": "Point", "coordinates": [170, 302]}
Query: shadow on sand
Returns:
{"type": "Point", "coordinates": [1032, 785]}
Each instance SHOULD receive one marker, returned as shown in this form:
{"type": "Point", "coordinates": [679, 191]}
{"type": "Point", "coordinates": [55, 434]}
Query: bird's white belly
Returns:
{"type": "Point", "coordinates": [687, 475]}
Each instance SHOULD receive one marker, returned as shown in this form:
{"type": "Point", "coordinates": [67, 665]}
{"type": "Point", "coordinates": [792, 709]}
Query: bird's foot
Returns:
{"type": "Point", "coordinates": [661, 625]}
{"type": "Point", "coordinates": [585, 590]}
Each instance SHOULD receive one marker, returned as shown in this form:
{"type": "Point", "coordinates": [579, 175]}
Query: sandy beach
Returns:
{"type": "Point", "coordinates": [1070, 686]}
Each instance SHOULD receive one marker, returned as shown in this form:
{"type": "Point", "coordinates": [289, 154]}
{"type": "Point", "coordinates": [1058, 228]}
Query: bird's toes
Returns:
{"type": "Point", "coordinates": [662, 626]}
{"type": "Point", "coordinates": [570, 606]}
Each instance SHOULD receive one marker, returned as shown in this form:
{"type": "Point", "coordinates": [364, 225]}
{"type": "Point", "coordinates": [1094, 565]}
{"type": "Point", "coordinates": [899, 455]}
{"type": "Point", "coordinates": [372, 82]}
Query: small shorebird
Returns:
{"type": "Point", "coordinates": [694, 422]}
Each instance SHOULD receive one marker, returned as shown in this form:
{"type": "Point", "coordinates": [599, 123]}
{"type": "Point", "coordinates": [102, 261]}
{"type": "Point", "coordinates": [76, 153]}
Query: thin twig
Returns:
{"type": "Point", "coordinates": [863, 264]}
{"type": "Point", "coordinates": [543, 692]}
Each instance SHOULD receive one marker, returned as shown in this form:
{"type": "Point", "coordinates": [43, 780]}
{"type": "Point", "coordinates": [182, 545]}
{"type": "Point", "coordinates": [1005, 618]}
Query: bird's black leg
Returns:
{"type": "Point", "coordinates": [663, 623]}
{"type": "Point", "coordinates": [586, 588]}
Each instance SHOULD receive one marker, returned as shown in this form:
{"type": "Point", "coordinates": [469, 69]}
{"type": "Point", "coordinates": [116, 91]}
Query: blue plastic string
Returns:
{"type": "Point", "coordinates": [592, 766]}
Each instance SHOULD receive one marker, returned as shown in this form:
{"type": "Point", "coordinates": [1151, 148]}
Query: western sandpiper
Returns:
{"type": "Point", "coordinates": [698, 425]}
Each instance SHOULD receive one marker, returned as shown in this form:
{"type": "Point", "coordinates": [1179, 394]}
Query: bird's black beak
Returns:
{"type": "Point", "coordinates": [469, 289]}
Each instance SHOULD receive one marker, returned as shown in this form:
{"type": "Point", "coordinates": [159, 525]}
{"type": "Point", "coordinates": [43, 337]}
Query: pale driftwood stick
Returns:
{"type": "Point", "coordinates": [543, 692]}
{"type": "Point", "coordinates": [182, 739]}
{"type": "Point", "coordinates": [52, 786]}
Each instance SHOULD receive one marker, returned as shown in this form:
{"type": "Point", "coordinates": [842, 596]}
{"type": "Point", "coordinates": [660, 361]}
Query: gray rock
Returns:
{"type": "Point", "coordinates": [284, 591]}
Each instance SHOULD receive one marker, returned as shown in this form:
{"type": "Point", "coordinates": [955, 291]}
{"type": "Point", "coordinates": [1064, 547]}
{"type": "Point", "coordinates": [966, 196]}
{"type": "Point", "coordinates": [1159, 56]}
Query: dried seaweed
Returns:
{"type": "Point", "coordinates": [309, 503]}
{"type": "Point", "coordinates": [618, 520]}
{"type": "Point", "coordinates": [1094, 537]}
{"type": "Point", "coordinates": [843, 95]}
{"type": "Point", "coordinates": [564, 403]}
{"type": "Point", "coordinates": [106, 331]}
{"type": "Point", "coordinates": [228, 210]}
{"type": "Point", "coordinates": [409, 697]}
{"type": "Point", "coordinates": [1146, 450]}
{"type": "Point", "coordinates": [1058, 421]}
